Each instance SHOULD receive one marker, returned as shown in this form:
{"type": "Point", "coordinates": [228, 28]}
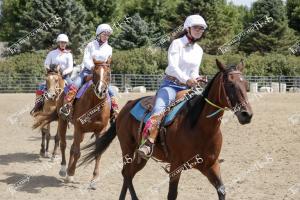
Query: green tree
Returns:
{"type": "Point", "coordinates": [160, 12]}
{"type": "Point", "coordinates": [268, 17]}
{"type": "Point", "coordinates": [11, 12]}
{"type": "Point", "coordinates": [101, 11]}
{"type": "Point", "coordinates": [293, 13]}
{"type": "Point", "coordinates": [48, 18]}
{"type": "Point", "coordinates": [134, 34]}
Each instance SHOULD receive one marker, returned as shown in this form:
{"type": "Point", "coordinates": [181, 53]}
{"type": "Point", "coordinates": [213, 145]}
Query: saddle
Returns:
{"type": "Point", "coordinates": [141, 112]}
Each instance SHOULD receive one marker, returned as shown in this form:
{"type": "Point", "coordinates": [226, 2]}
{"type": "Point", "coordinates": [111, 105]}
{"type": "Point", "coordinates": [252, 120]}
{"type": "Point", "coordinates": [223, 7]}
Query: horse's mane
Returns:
{"type": "Point", "coordinates": [195, 105]}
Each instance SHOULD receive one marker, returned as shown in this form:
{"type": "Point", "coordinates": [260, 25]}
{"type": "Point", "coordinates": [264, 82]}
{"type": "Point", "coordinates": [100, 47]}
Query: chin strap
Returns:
{"type": "Point", "coordinates": [99, 40]}
{"type": "Point", "coordinates": [61, 49]}
{"type": "Point", "coordinates": [190, 37]}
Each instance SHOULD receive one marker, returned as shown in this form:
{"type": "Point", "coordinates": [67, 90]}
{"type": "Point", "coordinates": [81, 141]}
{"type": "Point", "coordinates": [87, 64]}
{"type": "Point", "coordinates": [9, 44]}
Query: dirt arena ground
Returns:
{"type": "Point", "coordinates": [261, 160]}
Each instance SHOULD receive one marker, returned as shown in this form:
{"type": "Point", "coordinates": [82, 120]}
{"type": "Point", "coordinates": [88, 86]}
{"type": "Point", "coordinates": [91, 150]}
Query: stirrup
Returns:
{"type": "Point", "coordinates": [142, 153]}
{"type": "Point", "coordinates": [113, 115]}
{"type": "Point", "coordinates": [64, 112]}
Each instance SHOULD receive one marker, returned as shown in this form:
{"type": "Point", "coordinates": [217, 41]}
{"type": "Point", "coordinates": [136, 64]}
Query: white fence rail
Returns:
{"type": "Point", "coordinates": [26, 83]}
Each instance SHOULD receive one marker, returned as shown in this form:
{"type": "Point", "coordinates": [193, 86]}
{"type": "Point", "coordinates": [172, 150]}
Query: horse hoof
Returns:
{"type": "Point", "coordinates": [54, 158]}
{"type": "Point", "coordinates": [47, 155]}
{"type": "Point", "coordinates": [92, 185]}
{"type": "Point", "coordinates": [70, 179]}
{"type": "Point", "coordinates": [63, 171]}
{"type": "Point", "coordinates": [42, 153]}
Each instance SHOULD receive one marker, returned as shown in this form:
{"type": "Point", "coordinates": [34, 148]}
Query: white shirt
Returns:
{"type": "Point", "coordinates": [62, 58]}
{"type": "Point", "coordinates": [184, 60]}
{"type": "Point", "coordinates": [94, 50]}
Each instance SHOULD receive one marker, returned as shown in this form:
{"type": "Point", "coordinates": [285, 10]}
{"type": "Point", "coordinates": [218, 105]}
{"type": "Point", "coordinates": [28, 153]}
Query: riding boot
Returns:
{"type": "Point", "coordinates": [66, 109]}
{"type": "Point", "coordinates": [39, 102]}
{"type": "Point", "coordinates": [114, 108]}
{"type": "Point", "coordinates": [151, 128]}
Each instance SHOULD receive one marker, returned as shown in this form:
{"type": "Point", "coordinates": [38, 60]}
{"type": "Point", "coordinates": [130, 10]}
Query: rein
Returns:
{"type": "Point", "coordinates": [227, 99]}
{"type": "Point", "coordinates": [214, 105]}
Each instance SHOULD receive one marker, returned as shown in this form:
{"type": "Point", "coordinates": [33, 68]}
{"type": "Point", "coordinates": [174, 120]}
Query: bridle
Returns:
{"type": "Point", "coordinates": [228, 100]}
{"type": "Point", "coordinates": [102, 81]}
{"type": "Point", "coordinates": [57, 90]}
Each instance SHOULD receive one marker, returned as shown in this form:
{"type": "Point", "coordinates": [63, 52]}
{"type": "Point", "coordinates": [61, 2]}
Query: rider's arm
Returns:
{"type": "Point", "coordinates": [69, 68]}
{"type": "Point", "coordinates": [195, 70]}
{"type": "Point", "coordinates": [48, 61]}
{"type": "Point", "coordinates": [87, 57]}
{"type": "Point", "coordinates": [109, 56]}
{"type": "Point", "coordinates": [173, 63]}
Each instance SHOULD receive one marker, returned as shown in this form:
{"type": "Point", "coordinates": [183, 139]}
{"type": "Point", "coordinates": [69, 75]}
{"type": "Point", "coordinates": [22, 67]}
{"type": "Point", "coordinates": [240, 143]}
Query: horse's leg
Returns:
{"type": "Point", "coordinates": [56, 140]}
{"type": "Point", "coordinates": [48, 137]}
{"type": "Point", "coordinates": [42, 151]}
{"type": "Point", "coordinates": [62, 129]}
{"type": "Point", "coordinates": [96, 169]}
{"type": "Point", "coordinates": [173, 183]}
{"type": "Point", "coordinates": [214, 176]}
{"type": "Point", "coordinates": [129, 170]}
{"type": "Point", "coordinates": [74, 154]}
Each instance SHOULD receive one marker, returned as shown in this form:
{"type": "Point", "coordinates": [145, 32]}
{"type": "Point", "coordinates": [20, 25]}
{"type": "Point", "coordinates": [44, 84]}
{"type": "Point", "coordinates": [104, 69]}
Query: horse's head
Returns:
{"type": "Point", "coordinates": [235, 91]}
{"type": "Point", "coordinates": [53, 82]}
{"type": "Point", "coordinates": [101, 77]}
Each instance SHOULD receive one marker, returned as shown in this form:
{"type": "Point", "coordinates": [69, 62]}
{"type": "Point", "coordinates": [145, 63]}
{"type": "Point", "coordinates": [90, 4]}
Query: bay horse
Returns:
{"type": "Point", "coordinates": [192, 133]}
{"type": "Point", "coordinates": [54, 85]}
{"type": "Point", "coordinates": [91, 113]}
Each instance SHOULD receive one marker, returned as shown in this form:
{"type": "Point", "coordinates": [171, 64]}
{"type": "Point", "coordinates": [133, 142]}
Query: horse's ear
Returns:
{"type": "Point", "coordinates": [220, 65]}
{"type": "Point", "coordinates": [240, 66]}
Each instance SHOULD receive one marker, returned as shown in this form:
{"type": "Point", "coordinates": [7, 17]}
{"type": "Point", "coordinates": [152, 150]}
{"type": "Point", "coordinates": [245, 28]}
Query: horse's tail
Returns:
{"type": "Point", "coordinates": [101, 144]}
{"type": "Point", "coordinates": [45, 119]}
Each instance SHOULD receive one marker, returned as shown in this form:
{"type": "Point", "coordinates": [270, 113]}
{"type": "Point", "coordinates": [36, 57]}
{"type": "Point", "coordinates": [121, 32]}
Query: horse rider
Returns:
{"type": "Point", "coordinates": [182, 72]}
{"type": "Point", "coordinates": [100, 50]}
{"type": "Point", "coordinates": [61, 58]}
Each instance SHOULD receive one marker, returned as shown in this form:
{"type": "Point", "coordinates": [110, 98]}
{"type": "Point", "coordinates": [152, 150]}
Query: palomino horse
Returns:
{"type": "Point", "coordinates": [91, 114]}
{"type": "Point", "coordinates": [55, 85]}
{"type": "Point", "coordinates": [193, 133]}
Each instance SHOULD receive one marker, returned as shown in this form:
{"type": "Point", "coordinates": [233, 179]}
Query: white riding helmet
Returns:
{"type": "Point", "coordinates": [62, 38]}
{"type": "Point", "coordinates": [104, 28]}
{"type": "Point", "coordinates": [194, 20]}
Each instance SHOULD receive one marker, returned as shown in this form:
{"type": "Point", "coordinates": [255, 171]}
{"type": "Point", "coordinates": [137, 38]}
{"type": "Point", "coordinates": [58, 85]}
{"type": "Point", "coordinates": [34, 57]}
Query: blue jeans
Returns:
{"type": "Point", "coordinates": [165, 95]}
{"type": "Point", "coordinates": [80, 80]}
{"type": "Point", "coordinates": [68, 79]}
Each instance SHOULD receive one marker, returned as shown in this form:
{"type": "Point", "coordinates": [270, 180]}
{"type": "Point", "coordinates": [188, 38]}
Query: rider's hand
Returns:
{"type": "Point", "coordinates": [191, 82]}
{"type": "Point", "coordinates": [202, 78]}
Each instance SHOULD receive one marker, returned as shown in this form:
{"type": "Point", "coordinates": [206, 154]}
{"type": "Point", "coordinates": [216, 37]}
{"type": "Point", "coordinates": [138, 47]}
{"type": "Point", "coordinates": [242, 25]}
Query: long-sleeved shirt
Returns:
{"type": "Point", "coordinates": [184, 60]}
{"type": "Point", "coordinates": [99, 53]}
{"type": "Point", "coordinates": [62, 58]}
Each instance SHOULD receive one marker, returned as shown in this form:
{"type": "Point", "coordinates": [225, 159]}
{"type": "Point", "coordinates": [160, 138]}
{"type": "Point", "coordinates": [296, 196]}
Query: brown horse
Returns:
{"type": "Point", "coordinates": [55, 85]}
{"type": "Point", "coordinates": [91, 114]}
{"type": "Point", "coordinates": [193, 134]}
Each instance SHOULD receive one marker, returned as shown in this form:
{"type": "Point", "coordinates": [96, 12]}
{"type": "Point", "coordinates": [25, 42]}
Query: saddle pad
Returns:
{"type": "Point", "coordinates": [81, 90]}
{"type": "Point", "coordinates": [138, 113]}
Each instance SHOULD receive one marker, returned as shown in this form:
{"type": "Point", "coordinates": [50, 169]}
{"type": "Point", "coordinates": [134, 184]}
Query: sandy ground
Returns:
{"type": "Point", "coordinates": [262, 160]}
